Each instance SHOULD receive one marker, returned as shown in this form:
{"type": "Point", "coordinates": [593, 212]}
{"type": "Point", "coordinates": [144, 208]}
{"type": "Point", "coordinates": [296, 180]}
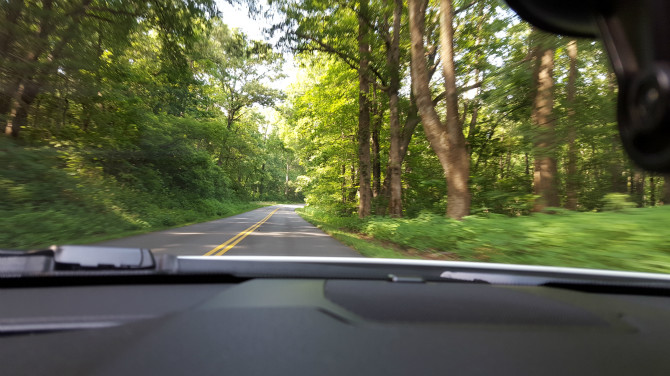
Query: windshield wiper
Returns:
{"type": "Point", "coordinates": [81, 258]}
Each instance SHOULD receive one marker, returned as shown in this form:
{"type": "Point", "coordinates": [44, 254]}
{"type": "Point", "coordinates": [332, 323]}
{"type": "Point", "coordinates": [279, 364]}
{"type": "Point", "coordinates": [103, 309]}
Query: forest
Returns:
{"type": "Point", "coordinates": [477, 112]}
{"type": "Point", "coordinates": [124, 116]}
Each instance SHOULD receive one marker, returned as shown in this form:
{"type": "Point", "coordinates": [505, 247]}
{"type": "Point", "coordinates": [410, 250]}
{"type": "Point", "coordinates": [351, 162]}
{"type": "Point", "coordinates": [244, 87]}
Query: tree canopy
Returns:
{"type": "Point", "coordinates": [450, 107]}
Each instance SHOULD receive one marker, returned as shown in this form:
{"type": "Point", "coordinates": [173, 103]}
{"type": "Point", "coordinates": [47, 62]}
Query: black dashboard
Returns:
{"type": "Point", "coordinates": [312, 326]}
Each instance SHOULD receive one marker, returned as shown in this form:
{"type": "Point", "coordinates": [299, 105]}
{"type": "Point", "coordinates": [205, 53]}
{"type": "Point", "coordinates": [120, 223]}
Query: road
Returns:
{"type": "Point", "coordinates": [269, 231]}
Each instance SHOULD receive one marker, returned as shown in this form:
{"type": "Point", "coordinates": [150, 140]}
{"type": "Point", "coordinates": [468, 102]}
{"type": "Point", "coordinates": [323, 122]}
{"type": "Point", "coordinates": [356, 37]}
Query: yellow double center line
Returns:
{"type": "Point", "coordinates": [230, 243]}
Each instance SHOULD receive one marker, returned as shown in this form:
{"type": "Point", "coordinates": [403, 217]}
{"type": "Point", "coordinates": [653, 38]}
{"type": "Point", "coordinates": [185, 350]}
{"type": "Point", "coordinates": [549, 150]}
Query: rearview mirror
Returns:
{"type": "Point", "coordinates": [636, 35]}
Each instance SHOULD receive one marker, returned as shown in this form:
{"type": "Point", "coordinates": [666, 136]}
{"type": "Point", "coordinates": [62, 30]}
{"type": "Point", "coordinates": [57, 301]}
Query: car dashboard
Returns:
{"type": "Point", "coordinates": [208, 324]}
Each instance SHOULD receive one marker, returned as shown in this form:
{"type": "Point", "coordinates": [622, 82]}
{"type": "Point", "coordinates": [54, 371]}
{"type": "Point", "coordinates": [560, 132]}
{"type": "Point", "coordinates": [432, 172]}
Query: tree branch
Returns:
{"type": "Point", "coordinates": [470, 87]}
{"type": "Point", "coordinates": [324, 47]}
{"type": "Point", "coordinates": [433, 68]}
{"type": "Point", "coordinates": [439, 97]}
{"type": "Point", "coordinates": [98, 17]}
{"type": "Point", "coordinates": [443, 94]}
{"type": "Point", "coordinates": [384, 32]}
{"type": "Point", "coordinates": [464, 7]}
{"type": "Point", "coordinates": [114, 11]}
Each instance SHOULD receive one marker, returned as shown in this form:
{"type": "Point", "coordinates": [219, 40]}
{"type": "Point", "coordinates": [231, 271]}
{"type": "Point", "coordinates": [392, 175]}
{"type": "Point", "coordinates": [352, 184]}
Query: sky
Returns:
{"type": "Point", "coordinates": [237, 16]}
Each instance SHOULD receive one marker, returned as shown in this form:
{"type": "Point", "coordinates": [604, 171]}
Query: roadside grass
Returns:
{"type": "Point", "coordinates": [347, 231]}
{"type": "Point", "coordinates": [236, 209]}
{"type": "Point", "coordinates": [45, 202]}
{"type": "Point", "coordinates": [63, 224]}
{"type": "Point", "coordinates": [366, 247]}
{"type": "Point", "coordinates": [628, 239]}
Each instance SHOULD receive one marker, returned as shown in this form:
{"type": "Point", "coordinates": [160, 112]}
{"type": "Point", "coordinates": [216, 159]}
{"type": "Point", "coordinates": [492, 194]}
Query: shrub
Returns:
{"type": "Point", "coordinates": [616, 202]}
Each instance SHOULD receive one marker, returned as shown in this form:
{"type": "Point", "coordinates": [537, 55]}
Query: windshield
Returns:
{"type": "Point", "coordinates": [444, 130]}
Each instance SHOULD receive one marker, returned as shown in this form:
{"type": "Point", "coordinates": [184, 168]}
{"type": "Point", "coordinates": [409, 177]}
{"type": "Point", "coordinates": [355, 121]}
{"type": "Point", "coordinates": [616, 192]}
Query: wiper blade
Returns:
{"type": "Point", "coordinates": [76, 258]}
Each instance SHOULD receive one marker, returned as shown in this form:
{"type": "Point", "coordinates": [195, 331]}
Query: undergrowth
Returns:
{"type": "Point", "coordinates": [626, 239]}
{"type": "Point", "coordinates": [45, 201]}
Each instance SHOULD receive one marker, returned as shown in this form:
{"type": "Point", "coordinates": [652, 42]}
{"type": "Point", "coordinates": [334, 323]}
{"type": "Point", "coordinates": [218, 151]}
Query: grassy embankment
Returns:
{"type": "Point", "coordinates": [628, 239]}
{"type": "Point", "coordinates": [45, 202]}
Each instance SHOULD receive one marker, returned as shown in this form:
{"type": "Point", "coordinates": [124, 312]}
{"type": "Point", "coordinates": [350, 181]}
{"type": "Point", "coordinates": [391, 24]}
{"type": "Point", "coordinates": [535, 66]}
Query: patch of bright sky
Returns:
{"type": "Point", "coordinates": [237, 16]}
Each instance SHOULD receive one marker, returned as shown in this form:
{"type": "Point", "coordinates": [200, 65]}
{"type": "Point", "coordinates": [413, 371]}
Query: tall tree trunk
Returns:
{"type": "Point", "coordinates": [458, 173]}
{"type": "Point", "coordinates": [395, 158]}
{"type": "Point", "coordinates": [20, 114]}
{"type": "Point", "coordinates": [638, 187]}
{"type": "Point", "coordinates": [472, 128]}
{"type": "Point", "coordinates": [261, 182]}
{"type": "Point", "coordinates": [508, 163]}
{"type": "Point", "coordinates": [365, 191]}
{"type": "Point", "coordinates": [9, 84]}
{"type": "Point", "coordinates": [545, 170]}
{"type": "Point", "coordinates": [286, 183]}
{"type": "Point", "coordinates": [13, 10]}
{"type": "Point", "coordinates": [24, 87]}
{"type": "Point", "coordinates": [344, 184]}
{"type": "Point", "coordinates": [376, 160]}
{"type": "Point", "coordinates": [526, 163]}
{"type": "Point", "coordinates": [354, 183]}
{"type": "Point", "coordinates": [411, 121]}
{"type": "Point", "coordinates": [571, 178]}
{"type": "Point", "coordinates": [618, 180]}
{"type": "Point", "coordinates": [447, 141]}
{"type": "Point", "coordinates": [7, 101]}
{"type": "Point", "coordinates": [34, 76]}
{"type": "Point", "coordinates": [652, 189]}
{"type": "Point", "coordinates": [666, 189]}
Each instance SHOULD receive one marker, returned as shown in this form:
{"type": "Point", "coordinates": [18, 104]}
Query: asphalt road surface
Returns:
{"type": "Point", "coordinates": [269, 231]}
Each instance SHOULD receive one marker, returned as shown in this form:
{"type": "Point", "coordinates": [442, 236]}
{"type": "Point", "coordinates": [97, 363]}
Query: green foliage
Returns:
{"type": "Point", "coordinates": [144, 115]}
{"type": "Point", "coordinates": [493, 50]}
{"type": "Point", "coordinates": [341, 229]}
{"type": "Point", "coordinates": [139, 116]}
{"type": "Point", "coordinates": [617, 201]}
{"type": "Point", "coordinates": [47, 203]}
{"type": "Point", "coordinates": [237, 71]}
{"type": "Point", "coordinates": [629, 240]}
{"type": "Point", "coordinates": [334, 218]}
{"type": "Point", "coordinates": [320, 125]}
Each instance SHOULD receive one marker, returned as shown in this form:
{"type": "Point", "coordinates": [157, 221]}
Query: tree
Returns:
{"type": "Point", "coordinates": [327, 27]}
{"type": "Point", "coordinates": [446, 140]}
{"type": "Point", "coordinates": [364, 165]}
{"type": "Point", "coordinates": [240, 70]}
{"type": "Point", "coordinates": [545, 170]}
{"type": "Point", "coordinates": [43, 39]}
{"type": "Point", "coordinates": [396, 154]}
{"type": "Point", "coordinates": [571, 174]}
{"type": "Point", "coordinates": [666, 189]}
{"type": "Point", "coordinates": [320, 123]}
